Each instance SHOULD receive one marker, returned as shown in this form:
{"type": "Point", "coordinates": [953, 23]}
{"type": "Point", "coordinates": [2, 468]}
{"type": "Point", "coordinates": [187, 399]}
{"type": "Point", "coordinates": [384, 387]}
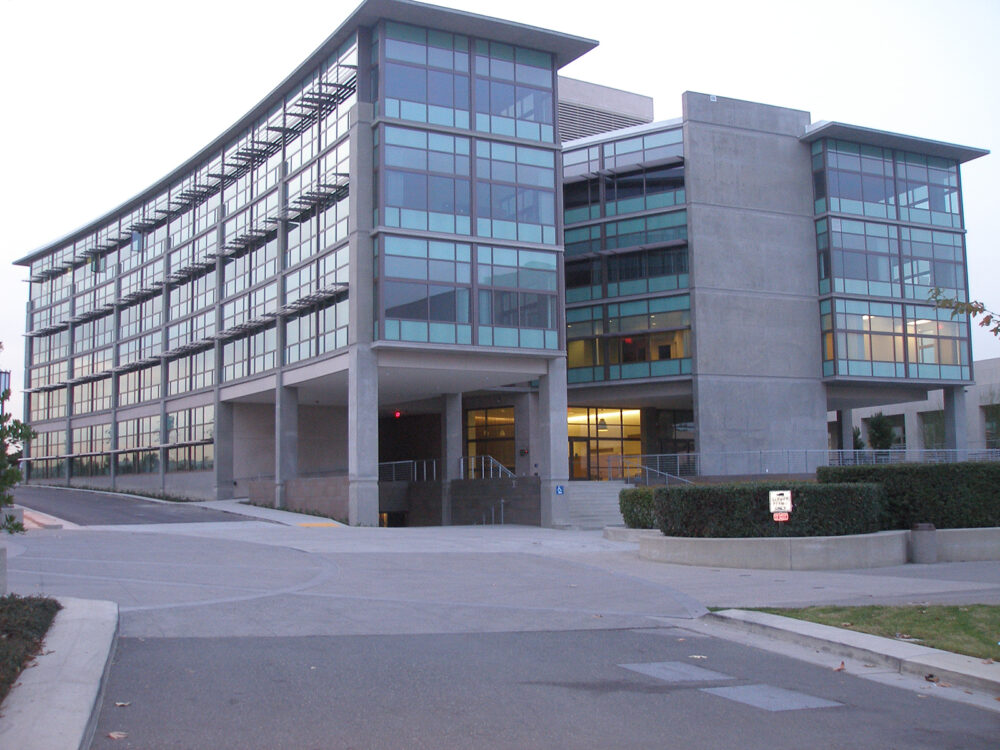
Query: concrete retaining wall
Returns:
{"type": "Point", "coordinates": [963, 545]}
{"type": "Point", "coordinates": [473, 500]}
{"type": "Point", "coordinates": [808, 553]}
{"type": "Point", "coordinates": [791, 553]}
{"type": "Point", "coordinates": [324, 495]}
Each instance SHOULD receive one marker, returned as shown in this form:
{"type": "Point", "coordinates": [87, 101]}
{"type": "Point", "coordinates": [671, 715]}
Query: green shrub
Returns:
{"type": "Point", "coordinates": [23, 624]}
{"type": "Point", "coordinates": [950, 496]}
{"type": "Point", "coordinates": [636, 505]}
{"type": "Point", "coordinates": [743, 510]}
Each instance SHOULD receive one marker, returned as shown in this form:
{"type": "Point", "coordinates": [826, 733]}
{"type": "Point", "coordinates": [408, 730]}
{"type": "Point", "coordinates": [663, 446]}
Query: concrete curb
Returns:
{"type": "Point", "coordinates": [57, 700]}
{"type": "Point", "coordinates": [907, 658]}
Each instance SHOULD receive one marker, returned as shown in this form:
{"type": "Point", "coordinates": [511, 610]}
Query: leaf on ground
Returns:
{"type": "Point", "coordinates": [841, 668]}
{"type": "Point", "coordinates": [870, 666]}
{"type": "Point", "coordinates": [932, 678]}
{"type": "Point", "coordinates": [987, 661]}
{"type": "Point", "coordinates": [944, 684]}
{"type": "Point", "coordinates": [847, 624]}
{"type": "Point", "coordinates": [117, 735]}
{"type": "Point", "coordinates": [122, 704]}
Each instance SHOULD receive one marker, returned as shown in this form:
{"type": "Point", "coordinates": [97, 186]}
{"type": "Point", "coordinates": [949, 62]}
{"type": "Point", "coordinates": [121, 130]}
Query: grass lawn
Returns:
{"type": "Point", "coordinates": [972, 629]}
{"type": "Point", "coordinates": [24, 621]}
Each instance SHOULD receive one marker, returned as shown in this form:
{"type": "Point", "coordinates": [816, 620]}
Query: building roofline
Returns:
{"type": "Point", "coordinates": [613, 135]}
{"type": "Point", "coordinates": [886, 139]}
{"type": "Point", "coordinates": [565, 48]}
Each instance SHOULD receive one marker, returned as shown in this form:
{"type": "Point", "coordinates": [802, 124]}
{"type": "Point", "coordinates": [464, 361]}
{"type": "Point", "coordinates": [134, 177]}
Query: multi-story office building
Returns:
{"type": "Point", "coordinates": [368, 268]}
{"type": "Point", "coordinates": [735, 273]}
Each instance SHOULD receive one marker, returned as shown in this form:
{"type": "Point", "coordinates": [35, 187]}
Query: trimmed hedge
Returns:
{"type": "Point", "coordinates": [950, 496]}
{"type": "Point", "coordinates": [636, 505]}
{"type": "Point", "coordinates": [743, 510]}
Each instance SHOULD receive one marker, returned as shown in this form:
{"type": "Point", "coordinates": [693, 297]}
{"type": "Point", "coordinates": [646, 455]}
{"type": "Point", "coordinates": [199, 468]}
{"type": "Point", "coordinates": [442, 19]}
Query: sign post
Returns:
{"type": "Point", "coordinates": [781, 504]}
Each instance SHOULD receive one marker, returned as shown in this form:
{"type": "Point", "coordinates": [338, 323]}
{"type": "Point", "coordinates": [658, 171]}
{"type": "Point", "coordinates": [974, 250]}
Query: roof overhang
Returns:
{"type": "Point", "coordinates": [885, 139]}
{"type": "Point", "coordinates": [564, 47]}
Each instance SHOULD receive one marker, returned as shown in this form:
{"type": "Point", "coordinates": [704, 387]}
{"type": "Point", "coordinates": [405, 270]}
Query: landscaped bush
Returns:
{"type": "Point", "coordinates": [636, 505]}
{"type": "Point", "coordinates": [743, 510]}
{"type": "Point", "coordinates": [950, 496]}
{"type": "Point", "coordinates": [23, 624]}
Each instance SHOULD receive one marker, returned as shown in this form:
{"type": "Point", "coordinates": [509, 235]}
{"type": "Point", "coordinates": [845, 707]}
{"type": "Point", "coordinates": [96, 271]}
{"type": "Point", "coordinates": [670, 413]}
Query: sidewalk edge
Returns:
{"type": "Point", "coordinates": [955, 669]}
{"type": "Point", "coordinates": [66, 680]}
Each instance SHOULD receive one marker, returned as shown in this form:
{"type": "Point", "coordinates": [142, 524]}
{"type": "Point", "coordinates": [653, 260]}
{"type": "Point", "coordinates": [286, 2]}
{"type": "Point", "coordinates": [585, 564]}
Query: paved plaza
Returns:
{"type": "Point", "coordinates": [245, 627]}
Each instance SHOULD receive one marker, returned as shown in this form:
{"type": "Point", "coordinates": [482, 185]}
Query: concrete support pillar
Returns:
{"type": "Point", "coordinates": [362, 437]}
{"type": "Point", "coordinates": [845, 429]}
{"type": "Point", "coordinates": [523, 444]}
{"type": "Point", "coordinates": [956, 435]}
{"type": "Point", "coordinates": [164, 425]}
{"type": "Point", "coordinates": [223, 464]}
{"type": "Point", "coordinates": [286, 440]}
{"type": "Point", "coordinates": [553, 461]}
{"type": "Point", "coordinates": [452, 439]}
{"type": "Point", "coordinates": [913, 434]}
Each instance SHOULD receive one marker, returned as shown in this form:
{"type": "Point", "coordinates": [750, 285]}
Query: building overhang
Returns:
{"type": "Point", "coordinates": [564, 47]}
{"type": "Point", "coordinates": [885, 139]}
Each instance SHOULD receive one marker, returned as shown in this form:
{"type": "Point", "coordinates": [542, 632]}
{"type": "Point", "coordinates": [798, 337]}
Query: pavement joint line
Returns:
{"type": "Point", "coordinates": [66, 680]}
{"type": "Point", "coordinates": [486, 605]}
{"type": "Point", "coordinates": [144, 581]}
{"type": "Point", "coordinates": [905, 658]}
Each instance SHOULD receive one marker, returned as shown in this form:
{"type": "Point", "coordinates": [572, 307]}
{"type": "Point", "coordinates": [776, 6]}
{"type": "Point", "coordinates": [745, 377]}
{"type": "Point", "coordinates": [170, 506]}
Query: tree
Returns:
{"type": "Point", "coordinates": [990, 319]}
{"type": "Point", "coordinates": [13, 435]}
{"type": "Point", "coordinates": [880, 433]}
{"type": "Point", "coordinates": [859, 443]}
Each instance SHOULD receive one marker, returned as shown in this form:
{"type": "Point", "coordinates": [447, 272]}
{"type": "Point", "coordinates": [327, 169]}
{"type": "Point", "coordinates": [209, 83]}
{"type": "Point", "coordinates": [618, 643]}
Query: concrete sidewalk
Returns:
{"type": "Point", "coordinates": [57, 698]}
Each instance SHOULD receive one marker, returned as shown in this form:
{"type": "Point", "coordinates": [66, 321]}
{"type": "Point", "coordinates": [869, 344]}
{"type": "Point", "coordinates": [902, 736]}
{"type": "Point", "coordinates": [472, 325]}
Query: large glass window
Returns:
{"type": "Point", "coordinates": [490, 432]}
{"type": "Point", "coordinates": [991, 415]}
{"type": "Point", "coordinates": [599, 439]}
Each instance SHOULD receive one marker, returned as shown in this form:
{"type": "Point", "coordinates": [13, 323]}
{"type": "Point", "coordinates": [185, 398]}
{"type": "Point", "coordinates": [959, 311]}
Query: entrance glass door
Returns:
{"type": "Point", "coordinates": [579, 458]}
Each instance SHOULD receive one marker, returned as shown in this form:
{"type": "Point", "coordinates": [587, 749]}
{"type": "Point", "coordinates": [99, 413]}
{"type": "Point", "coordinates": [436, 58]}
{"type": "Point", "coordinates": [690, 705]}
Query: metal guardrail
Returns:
{"type": "Point", "coordinates": [681, 465]}
{"type": "Point", "coordinates": [492, 511]}
{"type": "Point", "coordinates": [483, 467]}
{"type": "Point", "coordinates": [408, 471]}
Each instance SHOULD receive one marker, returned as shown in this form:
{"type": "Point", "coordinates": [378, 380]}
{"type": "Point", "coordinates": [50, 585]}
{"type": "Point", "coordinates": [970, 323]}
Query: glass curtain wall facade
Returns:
{"type": "Point", "coordinates": [465, 191]}
{"type": "Point", "coordinates": [889, 230]}
{"type": "Point", "coordinates": [193, 286]}
{"type": "Point", "coordinates": [626, 259]}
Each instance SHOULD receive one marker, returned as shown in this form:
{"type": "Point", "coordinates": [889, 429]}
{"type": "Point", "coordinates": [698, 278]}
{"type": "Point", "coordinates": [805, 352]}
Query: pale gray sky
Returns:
{"type": "Point", "coordinates": [104, 97]}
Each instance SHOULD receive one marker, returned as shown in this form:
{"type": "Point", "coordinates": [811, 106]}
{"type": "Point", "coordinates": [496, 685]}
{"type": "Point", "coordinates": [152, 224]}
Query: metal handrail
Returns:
{"type": "Point", "coordinates": [483, 467]}
{"type": "Point", "coordinates": [423, 470]}
{"type": "Point", "coordinates": [492, 511]}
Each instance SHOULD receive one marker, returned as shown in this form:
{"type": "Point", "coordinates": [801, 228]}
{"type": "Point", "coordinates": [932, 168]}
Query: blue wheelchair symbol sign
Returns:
{"type": "Point", "coordinates": [560, 490]}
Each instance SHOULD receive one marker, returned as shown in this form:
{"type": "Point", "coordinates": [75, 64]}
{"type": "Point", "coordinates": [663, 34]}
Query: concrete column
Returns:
{"type": "Point", "coordinates": [956, 435]}
{"type": "Point", "coordinates": [452, 439]}
{"type": "Point", "coordinates": [553, 461]}
{"type": "Point", "coordinates": [913, 434]}
{"type": "Point", "coordinates": [164, 427]}
{"type": "Point", "coordinates": [845, 429]}
{"type": "Point", "coordinates": [286, 440]}
{"type": "Point", "coordinates": [362, 436]}
{"type": "Point", "coordinates": [223, 464]}
{"type": "Point", "coordinates": [522, 435]}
